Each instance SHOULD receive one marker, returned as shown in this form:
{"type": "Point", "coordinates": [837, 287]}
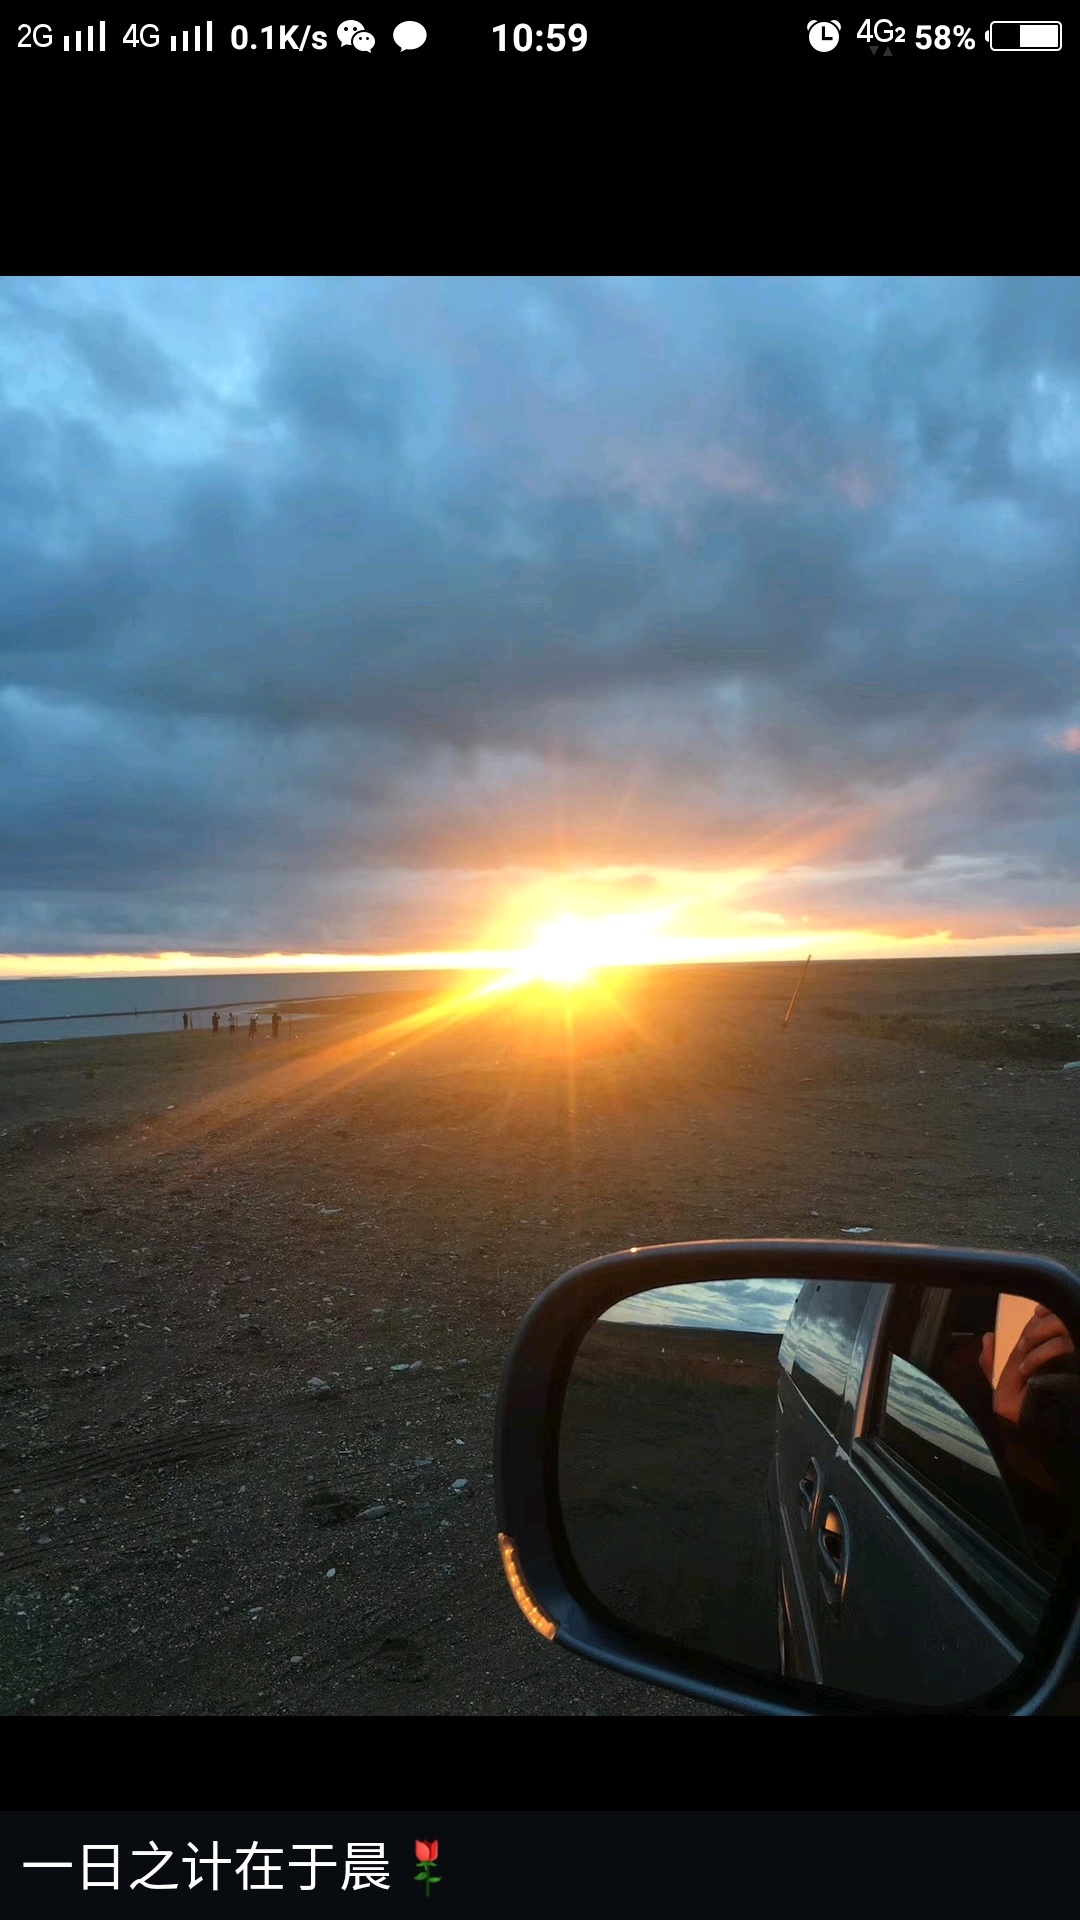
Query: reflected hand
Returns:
{"type": "Point", "coordinates": [1045, 1338]}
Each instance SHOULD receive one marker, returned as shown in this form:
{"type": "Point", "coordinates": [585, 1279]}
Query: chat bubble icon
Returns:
{"type": "Point", "coordinates": [347, 32]}
{"type": "Point", "coordinates": [409, 34]}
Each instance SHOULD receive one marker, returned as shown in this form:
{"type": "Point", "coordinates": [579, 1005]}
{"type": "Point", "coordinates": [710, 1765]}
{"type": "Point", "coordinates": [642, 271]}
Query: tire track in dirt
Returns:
{"type": "Point", "coordinates": [88, 1463]}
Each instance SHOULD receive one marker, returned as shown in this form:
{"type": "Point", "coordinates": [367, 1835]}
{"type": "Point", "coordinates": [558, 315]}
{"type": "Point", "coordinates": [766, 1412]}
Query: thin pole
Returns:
{"type": "Point", "coordinates": [795, 995]}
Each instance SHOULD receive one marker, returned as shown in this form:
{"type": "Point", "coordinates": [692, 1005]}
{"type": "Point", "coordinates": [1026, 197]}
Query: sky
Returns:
{"type": "Point", "coordinates": [742, 1306]}
{"type": "Point", "coordinates": [386, 617]}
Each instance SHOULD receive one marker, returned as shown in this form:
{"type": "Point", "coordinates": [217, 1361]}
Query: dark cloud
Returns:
{"type": "Point", "coordinates": [326, 388]}
{"type": "Point", "coordinates": [346, 577]}
{"type": "Point", "coordinates": [128, 369]}
{"type": "Point", "coordinates": [124, 364]}
{"type": "Point", "coordinates": [1031, 323]}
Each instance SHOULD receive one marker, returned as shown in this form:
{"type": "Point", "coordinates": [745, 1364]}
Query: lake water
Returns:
{"type": "Point", "coordinates": [156, 1005]}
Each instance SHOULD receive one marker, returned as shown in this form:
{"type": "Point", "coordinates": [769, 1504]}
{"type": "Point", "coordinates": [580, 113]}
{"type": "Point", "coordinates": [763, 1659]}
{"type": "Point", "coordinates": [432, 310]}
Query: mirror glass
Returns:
{"type": "Point", "coordinates": [866, 1487]}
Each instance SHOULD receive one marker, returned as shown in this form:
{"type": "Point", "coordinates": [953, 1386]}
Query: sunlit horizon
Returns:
{"type": "Point", "coordinates": [531, 961]}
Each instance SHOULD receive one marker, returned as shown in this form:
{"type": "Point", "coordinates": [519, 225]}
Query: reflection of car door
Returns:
{"type": "Point", "coordinates": [934, 1594]}
{"type": "Point", "coordinates": [813, 1410]}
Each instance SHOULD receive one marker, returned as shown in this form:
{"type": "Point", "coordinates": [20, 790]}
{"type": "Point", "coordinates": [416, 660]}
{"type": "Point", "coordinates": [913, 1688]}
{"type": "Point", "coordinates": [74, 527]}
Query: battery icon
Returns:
{"type": "Point", "coordinates": [1024, 36]}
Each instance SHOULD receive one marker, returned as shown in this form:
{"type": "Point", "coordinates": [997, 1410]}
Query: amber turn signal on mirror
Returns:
{"type": "Point", "coordinates": [520, 1591]}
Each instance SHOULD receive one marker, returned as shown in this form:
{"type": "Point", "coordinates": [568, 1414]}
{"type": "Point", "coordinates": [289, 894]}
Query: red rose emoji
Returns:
{"type": "Point", "coordinates": [427, 1852]}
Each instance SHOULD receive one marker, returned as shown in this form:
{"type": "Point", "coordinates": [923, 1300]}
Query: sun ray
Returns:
{"type": "Point", "coordinates": [288, 1092]}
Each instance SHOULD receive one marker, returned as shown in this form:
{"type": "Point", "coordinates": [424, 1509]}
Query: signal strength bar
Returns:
{"type": "Point", "coordinates": [93, 45]}
{"type": "Point", "coordinates": [193, 42]}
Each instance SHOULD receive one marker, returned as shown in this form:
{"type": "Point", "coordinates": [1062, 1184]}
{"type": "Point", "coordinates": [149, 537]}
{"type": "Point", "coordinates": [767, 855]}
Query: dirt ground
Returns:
{"type": "Point", "coordinates": [193, 1229]}
{"type": "Point", "coordinates": [666, 1441]}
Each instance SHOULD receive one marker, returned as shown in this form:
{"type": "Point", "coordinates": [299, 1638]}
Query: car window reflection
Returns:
{"type": "Point", "coordinates": [922, 1407]}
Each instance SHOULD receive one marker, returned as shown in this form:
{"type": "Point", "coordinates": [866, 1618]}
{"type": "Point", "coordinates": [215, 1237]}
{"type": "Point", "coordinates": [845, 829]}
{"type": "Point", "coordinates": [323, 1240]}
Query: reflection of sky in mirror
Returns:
{"type": "Point", "coordinates": [925, 1408]}
{"type": "Point", "coordinates": [744, 1306]}
{"type": "Point", "coordinates": [821, 1335]}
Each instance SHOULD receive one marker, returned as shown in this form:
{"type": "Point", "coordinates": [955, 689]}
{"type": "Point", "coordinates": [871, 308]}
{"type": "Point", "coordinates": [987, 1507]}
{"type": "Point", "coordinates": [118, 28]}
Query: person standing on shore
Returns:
{"type": "Point", "coordinates": [187, 1019]}
{"type": "Point", "coordinates": [252, 1026]}
{"type": "Point", "coordinates": [216, 1022]}
{"type": "Point", "coordinates": [276, 1023]}
{"type": "Point", "coordinates": [232, 1023]}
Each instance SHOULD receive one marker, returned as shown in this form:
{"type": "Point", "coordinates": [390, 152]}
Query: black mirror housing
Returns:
{"type": "Point", "coordinates": [536, 1552]}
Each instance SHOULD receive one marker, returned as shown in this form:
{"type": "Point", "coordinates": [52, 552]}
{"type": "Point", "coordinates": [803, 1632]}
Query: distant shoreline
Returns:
{"type": "Point", "coordinates": [44, 1011]}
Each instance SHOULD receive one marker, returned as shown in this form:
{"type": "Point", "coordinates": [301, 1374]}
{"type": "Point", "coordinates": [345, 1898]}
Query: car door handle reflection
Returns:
{"type": "Point", "coordinates": [808, 1490]}
{"type": "Point", "coordinates": [833, 1545]}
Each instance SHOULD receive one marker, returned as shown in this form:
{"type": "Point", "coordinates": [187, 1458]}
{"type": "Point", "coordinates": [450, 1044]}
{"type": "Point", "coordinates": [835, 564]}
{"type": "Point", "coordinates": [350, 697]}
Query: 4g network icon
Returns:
{"type": "Point", "coordinates": [824, 35]}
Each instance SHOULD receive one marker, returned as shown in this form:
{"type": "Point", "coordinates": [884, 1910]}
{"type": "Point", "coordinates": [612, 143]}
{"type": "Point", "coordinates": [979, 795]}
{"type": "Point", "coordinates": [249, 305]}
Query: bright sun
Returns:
{"type": "Point", "coordinates": [564, 952]}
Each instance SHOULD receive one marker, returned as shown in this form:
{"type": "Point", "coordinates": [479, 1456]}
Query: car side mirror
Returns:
{"type": "Point", "coordinates": [798, 1477]}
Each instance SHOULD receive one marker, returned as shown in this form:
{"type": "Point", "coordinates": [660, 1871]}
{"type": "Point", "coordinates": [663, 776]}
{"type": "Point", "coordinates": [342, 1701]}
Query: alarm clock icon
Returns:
{"type": "Point", "coordinates": [824, 35]}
